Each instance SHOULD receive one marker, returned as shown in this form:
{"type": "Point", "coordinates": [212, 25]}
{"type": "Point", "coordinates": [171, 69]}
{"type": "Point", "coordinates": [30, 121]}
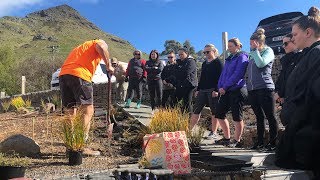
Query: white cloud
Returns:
{"type": "Point", "coordinates": [9, 6]}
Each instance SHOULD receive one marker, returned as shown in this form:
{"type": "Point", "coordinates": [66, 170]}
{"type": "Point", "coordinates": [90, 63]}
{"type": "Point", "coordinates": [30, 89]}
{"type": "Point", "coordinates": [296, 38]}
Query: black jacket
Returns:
{"type": "Point", "coordinates": [299, 145]}
{"type": "Point", "coordinates": [168, 73]}
{"type": "Point", "coordinates": [288, 62]}
{"type": "Point", "coordinates": [154, 69]}
{"type": "Point", "coordinates": [210, 73]}
{"type": "Point", "coordinates": [186, 73]}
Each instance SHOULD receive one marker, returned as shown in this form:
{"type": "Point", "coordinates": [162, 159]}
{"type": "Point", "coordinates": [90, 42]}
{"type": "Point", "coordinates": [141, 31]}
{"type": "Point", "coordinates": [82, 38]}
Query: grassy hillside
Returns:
{"type": "Point", "coordinates": [48, 36]}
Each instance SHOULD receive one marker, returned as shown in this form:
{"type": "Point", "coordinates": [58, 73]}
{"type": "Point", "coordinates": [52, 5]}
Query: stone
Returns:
{"type": "Point", "coordinates": [21, 145]}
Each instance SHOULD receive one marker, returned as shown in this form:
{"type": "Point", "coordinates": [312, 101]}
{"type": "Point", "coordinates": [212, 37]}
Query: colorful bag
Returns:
{"type": "Point", "coordinates": [169, 150]}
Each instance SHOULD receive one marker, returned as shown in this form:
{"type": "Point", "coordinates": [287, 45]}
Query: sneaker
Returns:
{"type": "Point", "coordinates": [257, 145]}
{"type": "Point", "coordinates": [127, 105]}
{"type": "Point", "coordinates": [270, 147]}
{"type": "Point", "coordinates": [234, 143]}
{"type": "Point", "coordinates": [90, 152]}
{"type": "Point", "coordinates": [138, 105]}
{"type": "Point", "coordinates": [213, 135]}
{"type": "Point", "coordinates": [222, 141]}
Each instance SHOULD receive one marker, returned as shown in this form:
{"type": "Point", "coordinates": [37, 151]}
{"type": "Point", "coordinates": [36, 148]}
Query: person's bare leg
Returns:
{"type": "Point", "coordinates": [239, 125]}
{"type": "Point", "coordinates": [194, 120]}
{"type": "Point", "coordinates": [214, 124]}
{"type": "Point", "coordinates": [87, 111]}
{"type": "Point", "coordinates": [224, 124]}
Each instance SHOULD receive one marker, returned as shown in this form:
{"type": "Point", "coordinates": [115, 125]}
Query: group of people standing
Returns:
{"type": "Point", "coordinates": [223, 87]}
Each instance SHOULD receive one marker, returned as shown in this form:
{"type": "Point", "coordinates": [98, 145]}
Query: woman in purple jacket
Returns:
{"type": "Point", "coordinates": [232, 92]}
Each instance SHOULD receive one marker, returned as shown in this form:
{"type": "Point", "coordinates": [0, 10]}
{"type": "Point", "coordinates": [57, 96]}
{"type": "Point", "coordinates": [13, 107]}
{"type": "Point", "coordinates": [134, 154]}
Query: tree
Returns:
{"type": "Point", "coordinates": [171, 45]}
{"type": "Point", "coordinates": [188, 45]}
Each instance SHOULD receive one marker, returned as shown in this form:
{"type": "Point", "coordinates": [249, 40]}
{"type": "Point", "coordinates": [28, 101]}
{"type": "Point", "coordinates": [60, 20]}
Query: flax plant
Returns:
{"type": "Point", "coordinates": [73, 130]}
{"type": "Point", "coordinates": [28, 103]}
{"type": "Point", "coordinates": [6, 105]}
{"type": "Point", "coordinates": [56, 100]}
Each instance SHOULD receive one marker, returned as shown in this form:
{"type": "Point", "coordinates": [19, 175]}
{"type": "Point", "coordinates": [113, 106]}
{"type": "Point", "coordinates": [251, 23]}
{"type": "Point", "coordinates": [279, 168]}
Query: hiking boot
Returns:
{"type": "Point", "coordinates": [213, 135]}
{"type": "Point", "coordinates": [223, 141]}
{"type": "Point", "coordinates": [235, 144]}
{"type": "Point", "coordinates": [127, 105]}
{"type": "Point", "coordinates": [257, 146]}
{"type": "Point", "coordinates": [138, 104]}
{"type": "Point", "coordinates": [90, 152]}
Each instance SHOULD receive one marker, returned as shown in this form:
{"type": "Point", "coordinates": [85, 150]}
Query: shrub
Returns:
{"type": "Point", "coordinates": [169, 120]}
{"type": "Point", "coordinates": [195, 136]}
{"type": "Point", "coordinates": [28, 103]}
{"type": "Point", "coordinates": [73, 130]}
{"type": "Point", "coordinates": [18, 102]}
{"type": "Point", "coordinates": [6, 105]}
{"type": "Point", "coordinates": [56, 100]}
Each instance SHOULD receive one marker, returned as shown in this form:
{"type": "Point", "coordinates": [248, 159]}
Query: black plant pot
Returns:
{"type": "Point", "coordinates": [10, 172]}
{"type": "Point", "coordinates": [75, 157]}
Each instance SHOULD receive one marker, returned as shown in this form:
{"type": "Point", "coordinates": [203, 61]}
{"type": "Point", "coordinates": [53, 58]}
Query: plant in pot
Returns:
{"type": "Point", "coordinates": [74, 134]}
{"type": "Point", "coordinates": [195, 138]}
{"type": "Point", "coordinates": [12, 166]}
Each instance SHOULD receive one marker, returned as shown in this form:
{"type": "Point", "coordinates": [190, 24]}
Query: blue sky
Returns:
{"type": "Point", "coordinates": [147, 24]}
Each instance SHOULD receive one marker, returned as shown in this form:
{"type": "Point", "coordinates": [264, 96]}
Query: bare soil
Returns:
{"type": "Point", "coordinates": [53, 163]}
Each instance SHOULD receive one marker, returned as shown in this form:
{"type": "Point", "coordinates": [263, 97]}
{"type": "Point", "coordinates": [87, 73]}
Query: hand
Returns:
{"type": "Point", "coordinates": [126, 79]}
{"type": "Point", "coordinates": [254, 44]}
{"type": "Point", "coordinates": [276, 96]}
{"type": "Point", "coordinates": [164, 82]}
{"type": "Point", "coordinates": [196, 93]}
{"type": "Point", "coordinates": [215, 94]}
{"type": "Point", "coordinates": [110, 70]}
{"type": "Point", "coordinates": [144, 79]}
{"type": "Point", "coordinates": [222, 91]}
{"type": "Point", "coordinates": [281, 100]}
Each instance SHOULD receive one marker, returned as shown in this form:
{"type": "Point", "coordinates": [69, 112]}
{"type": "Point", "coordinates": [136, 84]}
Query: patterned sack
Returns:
{"type": "Point", "coordinates": [169, 150]}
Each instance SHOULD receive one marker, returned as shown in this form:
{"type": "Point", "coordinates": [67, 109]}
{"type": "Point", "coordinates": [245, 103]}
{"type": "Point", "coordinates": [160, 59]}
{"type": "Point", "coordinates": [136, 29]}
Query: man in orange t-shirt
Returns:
{"type": "Point", "coordinates": [76, 75]}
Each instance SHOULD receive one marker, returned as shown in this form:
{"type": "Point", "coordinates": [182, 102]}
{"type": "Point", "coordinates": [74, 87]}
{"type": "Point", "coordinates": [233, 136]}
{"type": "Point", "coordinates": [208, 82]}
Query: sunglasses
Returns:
{"type": "Point", "coordinates": [206, 52]}
{"type": "Point", "coordinates": [137, 54]}
{"type": "Point", "coordinates": [170, 57]}
{"type": "Point", "coordinates": [285, 44]}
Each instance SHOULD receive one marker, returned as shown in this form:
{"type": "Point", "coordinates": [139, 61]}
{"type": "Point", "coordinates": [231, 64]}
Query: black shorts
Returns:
{"type": "Point", "coordinates": [75, 91]}
{"type": "Point", "coordinates": [205, 98]}
{"type": "Point", "coordinates": [233, 100]}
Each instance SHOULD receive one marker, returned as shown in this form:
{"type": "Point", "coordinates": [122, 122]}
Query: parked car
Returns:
{"type": "Point", "coordinates": [276, 27]}
{"type": "Point", "coordinates": [100, 76]}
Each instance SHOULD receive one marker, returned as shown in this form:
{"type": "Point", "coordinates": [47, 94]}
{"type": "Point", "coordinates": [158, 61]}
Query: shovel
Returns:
{"type": "Point", "coordinates": [108, 118]}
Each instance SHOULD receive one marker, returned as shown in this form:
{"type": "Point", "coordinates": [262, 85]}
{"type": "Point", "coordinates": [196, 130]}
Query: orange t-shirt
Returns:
{"type": "Point", "coordinates": [82, 61]}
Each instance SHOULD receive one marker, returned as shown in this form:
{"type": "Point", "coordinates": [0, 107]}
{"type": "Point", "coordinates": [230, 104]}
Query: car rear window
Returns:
{"type": "Point", "coordinates": [279, 17]}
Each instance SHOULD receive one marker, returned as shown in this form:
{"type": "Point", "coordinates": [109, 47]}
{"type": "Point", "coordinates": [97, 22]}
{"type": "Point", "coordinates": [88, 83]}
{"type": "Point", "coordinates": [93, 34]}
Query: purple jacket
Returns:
{"type": "Point", "coordinates": [232, 76]}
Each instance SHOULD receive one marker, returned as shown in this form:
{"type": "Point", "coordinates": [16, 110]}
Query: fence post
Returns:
{"type": "Point", "coordinates": [224, 44]}
{"type": "Point", "coordinates": [23, 85]}
{"type": "Point", "coordinates": [2, 94]}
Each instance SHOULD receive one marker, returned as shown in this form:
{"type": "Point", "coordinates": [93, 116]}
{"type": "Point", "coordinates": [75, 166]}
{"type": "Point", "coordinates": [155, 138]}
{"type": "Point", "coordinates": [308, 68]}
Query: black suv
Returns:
{"type": "Point", "coordinates": [276, 27]}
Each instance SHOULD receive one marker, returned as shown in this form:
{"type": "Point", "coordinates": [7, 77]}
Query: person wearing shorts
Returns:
{"type": "Point", "coordinates": [232, 92]}
{"type": "Point", "coordinates": [76, 75]}
{"type": "Point", "coordinates": [210, 73]}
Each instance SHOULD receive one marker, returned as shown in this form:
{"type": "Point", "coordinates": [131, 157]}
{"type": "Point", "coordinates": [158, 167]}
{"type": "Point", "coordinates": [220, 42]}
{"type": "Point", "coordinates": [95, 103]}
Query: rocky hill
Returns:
{"type": "Point", "coordinates": [54, 32]}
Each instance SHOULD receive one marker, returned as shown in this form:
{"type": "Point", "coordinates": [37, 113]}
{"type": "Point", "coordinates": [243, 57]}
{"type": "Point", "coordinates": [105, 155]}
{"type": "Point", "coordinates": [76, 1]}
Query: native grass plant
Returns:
{"type": "Point", "coordinates": [13, 160]}
{"type": "Point", "coordinates": [74, 132]}
{"type": "Point", "coordinates": [18, 102]}
{"type": "Point", "coordinates": [6, 105]}
{"type": "Point", "coordinates": [169, 120]}
{"type": "Point", "coordinates": [56, 100]}
{"type": "Point", "coordinates": [195, 136]}
{"type": "Point", "coordinates": [28, 103]}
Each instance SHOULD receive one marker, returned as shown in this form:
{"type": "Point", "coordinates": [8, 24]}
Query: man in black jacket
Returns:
{"type": "Point", "coordinates": [167, 76]}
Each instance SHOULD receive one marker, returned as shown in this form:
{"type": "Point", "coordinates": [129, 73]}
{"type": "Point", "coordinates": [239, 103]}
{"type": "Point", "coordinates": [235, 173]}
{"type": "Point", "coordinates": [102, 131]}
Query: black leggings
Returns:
{"type": "Point", "coordinates": [155, 92]}
{"type": "Point", "coordinates": [185, 94]}
{"type": "Point", "coordinates": [166, 94]}
{"type": "Point", "coordinates": [135, 85]}
{"type": "Point", "coordinates": [263, 103]}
